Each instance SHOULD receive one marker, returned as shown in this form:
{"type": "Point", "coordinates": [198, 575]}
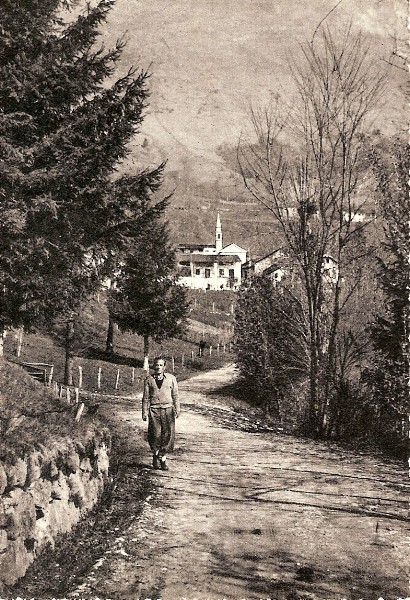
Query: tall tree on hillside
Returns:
{"type": "Point", "coordinates": [391, 328]}
{"type": "Point", "coordinates": [317, 193]}
{"type": "Point", "coordinates": [147, 299]}
{"type": "Point", "coordinates": [64, 129]}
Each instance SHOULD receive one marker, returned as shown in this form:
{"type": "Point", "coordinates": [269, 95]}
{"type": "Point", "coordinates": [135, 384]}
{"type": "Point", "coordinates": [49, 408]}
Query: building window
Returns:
{"type": "Point", "coordinates": [221, 272]}
{"type": "Point", "coordinates": [207, 273]}
{"type": "Point", "coordinates": [231, 273]}
{"type": "Point", "coordinates": [197, 271]}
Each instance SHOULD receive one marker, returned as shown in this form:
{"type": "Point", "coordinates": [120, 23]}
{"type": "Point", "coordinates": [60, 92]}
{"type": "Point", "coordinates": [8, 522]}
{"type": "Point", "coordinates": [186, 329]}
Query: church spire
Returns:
{"type": "Point", "coordinates": [218, 234]}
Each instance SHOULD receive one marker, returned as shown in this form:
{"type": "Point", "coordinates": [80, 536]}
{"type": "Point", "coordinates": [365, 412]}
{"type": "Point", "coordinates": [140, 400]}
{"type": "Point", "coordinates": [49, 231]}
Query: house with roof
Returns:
{"type": "Point", "coordinates": [276, 267]}
{"type": "Point", "coordinates": [271, 264]}
{"type": "Point", "coordinates": [213, 266]}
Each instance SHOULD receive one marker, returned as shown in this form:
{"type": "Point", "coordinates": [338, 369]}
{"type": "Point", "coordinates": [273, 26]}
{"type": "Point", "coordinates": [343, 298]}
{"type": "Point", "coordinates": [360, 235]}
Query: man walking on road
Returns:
{"type": "Point", "coordinates": [160, 404]}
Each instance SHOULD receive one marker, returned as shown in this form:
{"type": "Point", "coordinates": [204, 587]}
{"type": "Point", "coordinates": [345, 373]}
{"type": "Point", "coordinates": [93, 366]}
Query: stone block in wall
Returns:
{"type": "Point", "coordinates": [54, 489]}
{"type": "Point", "coordinates": [20, 514]}
{"type": "Point", "coordinates": [42, 533]}
{"type": "Point", "coordinates": [16, 473]}
{"type": "Point", "coordinates": [60, 490]}
{"type": "Point", "coordinates": [34, 462]}
{"type": "Point", "coordinates": [49, 470]}
{"type": "Point", "coordinates": [92, 491]}
{"type": "Point", "coordinates": [3, 478]}
{"type": "Point", "coordinates": [72, 461]}
{"type": "Point", "coordinates": [3, 540]}
{"type": "Point", "coordinates": [77, 492]}
{"type": "Point", "coordinates": [62, 518]}
{"type": "Point", "coordinates": [85, 465]}
{"type": "Point", "coordinates": [40, 491]}
{"type": "Point", "coordinates": [14, 561]}
{"type": "Point", "coordinates": [103, 461]}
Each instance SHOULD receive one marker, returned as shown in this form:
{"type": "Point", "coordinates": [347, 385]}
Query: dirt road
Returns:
{"type": "Point", "coordinates": [255, 515]}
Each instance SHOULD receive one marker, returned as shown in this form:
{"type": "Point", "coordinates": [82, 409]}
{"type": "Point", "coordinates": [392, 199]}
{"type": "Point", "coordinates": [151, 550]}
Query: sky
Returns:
{"type": "Point", "coordinates": [211, 59]}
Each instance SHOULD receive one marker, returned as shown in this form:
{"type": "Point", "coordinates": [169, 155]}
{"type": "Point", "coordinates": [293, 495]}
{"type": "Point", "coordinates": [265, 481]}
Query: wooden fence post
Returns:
{"type": "Point", "coordinates": [80, 377]}
{"type": "Point", "coordinates": [117, 379]}
{"type": "Point", "coordinates": [50, 375]}
{"type": "Point", "coordinates": [99, 378]}
{"type": "Point", "coordinates": [213, 307]}
{"type": "Point", "coordinates": [77, 394]}
{"type": "Point", "coordinates": [60, 395]}
{"type": "Point", "coordinates": [132, 375]}
{"type": "Point", "coordinates": [192, 355]}
{"type": "Point", "coordinates": [217, 349]}
{"type": "Point", "coordinates": [210, 350]}
{"type": "Point", "coordinates": [79, 412]}
{"type": "Point", "coordinates": [68, 396]}
{"type": "Point", "coordinates": [224, 348]}
{"type": "Point", "coordinates": [173, 364]}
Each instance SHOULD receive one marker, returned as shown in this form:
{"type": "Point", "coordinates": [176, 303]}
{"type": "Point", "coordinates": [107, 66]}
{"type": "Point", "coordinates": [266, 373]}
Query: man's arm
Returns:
{"type": "Point", "coordinates": [175, 397]}
{"type": "Point", "coordinates": [145, 400]}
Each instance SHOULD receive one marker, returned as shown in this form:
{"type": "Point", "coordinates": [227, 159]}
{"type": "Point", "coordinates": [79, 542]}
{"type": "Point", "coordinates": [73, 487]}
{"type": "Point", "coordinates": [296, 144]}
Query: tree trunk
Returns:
{"type": "Point", "coordinates": [69, 359]}
{"type": "Point", "coordinates": [2, 338]}
{"type": "Point", "coordinates": [331, 367]}
{"type": "Point", "coordinates": [19, 341]}
{"type": "Point", "coordinates": [109, 344]}
{"type": "Point", "coordinates": [314, 393]}
{"type": "Point", "coordinates": [146, 353]}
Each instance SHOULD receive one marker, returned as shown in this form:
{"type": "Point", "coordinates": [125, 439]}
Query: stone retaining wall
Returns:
{"type": "Point", "coordinates": [45, 494]}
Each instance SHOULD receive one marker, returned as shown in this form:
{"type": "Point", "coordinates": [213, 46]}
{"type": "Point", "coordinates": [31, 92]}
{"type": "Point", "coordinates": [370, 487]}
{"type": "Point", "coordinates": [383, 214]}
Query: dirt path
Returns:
{"type": "Point", "coordinates": [256, 515]}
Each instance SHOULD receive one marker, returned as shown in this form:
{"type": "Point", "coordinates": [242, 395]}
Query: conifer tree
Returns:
{"type": "Point", "coordinates": [147, 299]}
{"type": "Point", "coordinates": [64, 129]}
{"type": "Point", "coordinates": [391, 328]}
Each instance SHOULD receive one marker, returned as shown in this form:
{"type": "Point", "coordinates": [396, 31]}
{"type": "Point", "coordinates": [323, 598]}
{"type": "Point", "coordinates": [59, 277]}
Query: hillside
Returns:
{"type": "Point", "coordinates": [210, 319]}
{"type": "Point", "coordinates": [210, 61]}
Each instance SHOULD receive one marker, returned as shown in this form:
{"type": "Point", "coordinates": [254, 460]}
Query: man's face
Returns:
{"type": "Point", "coordinates": [159, 367]}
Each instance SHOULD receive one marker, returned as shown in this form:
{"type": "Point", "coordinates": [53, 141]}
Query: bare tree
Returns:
{"type": "Point", "coordinates": [316, 187]}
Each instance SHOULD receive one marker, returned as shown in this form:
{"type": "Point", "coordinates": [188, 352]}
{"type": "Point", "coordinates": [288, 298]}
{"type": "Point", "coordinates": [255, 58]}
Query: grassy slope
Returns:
{"type": "Point", "coordinates": [129, 347]}
{"type": "Point", "coordinates": [31, 418]}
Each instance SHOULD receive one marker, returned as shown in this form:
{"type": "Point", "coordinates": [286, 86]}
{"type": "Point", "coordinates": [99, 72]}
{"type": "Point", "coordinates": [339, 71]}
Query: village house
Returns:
{"type": "Point", "coordinates": [211, 267]}
{"type": "Point", "coordinates": [274, 265]}
{"type": "Point", "coordinates": [271, 264]}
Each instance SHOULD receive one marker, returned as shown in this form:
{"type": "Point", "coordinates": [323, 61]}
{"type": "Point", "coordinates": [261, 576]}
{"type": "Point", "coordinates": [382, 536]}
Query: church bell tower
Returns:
{"type": "Point", "coordinates": [218, 234]}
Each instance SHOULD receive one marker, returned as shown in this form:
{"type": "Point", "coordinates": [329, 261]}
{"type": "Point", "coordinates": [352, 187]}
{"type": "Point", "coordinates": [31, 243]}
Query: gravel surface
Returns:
{"type": "Point", "coordinates": [243, 513]}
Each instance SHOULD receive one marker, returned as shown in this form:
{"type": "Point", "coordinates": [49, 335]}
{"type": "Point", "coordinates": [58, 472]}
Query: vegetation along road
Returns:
{"type": "Point", "coordinates": [241, 514]}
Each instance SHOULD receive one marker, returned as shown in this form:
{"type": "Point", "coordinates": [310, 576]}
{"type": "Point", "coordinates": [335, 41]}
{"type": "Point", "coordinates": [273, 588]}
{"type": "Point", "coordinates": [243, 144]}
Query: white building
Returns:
{"type": "Point", "coordinates": [211, 267]}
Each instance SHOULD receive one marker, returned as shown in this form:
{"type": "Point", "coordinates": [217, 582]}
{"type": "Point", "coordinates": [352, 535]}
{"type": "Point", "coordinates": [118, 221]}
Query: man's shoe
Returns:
{"type": "Point", "coordinates": [164, 465]}
{"type": "Point", "coordinates": [156, 461]}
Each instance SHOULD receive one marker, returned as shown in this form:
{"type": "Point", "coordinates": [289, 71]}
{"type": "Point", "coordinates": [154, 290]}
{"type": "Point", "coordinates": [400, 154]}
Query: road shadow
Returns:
{"type": "Point", "coordinates": [112, 357]}
{"type": "Point", "coordinates": [277, 575]}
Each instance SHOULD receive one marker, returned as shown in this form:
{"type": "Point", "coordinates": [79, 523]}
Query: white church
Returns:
{"type": "Point", "coordinates": [211, 267]}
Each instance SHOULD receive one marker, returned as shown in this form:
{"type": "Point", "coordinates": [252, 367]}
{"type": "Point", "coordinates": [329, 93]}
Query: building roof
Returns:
{"type": "Point", "coordinates": [207, 259]}
{"type": "Point", "coordinates": [195, 246]}
{"type": "Point", "coordinates": [232, 247]}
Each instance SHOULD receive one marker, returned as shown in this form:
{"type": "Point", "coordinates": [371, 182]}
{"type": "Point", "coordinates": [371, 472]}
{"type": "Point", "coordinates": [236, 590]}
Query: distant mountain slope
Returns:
{"type": "Point", "coordinates": [210, 59]}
